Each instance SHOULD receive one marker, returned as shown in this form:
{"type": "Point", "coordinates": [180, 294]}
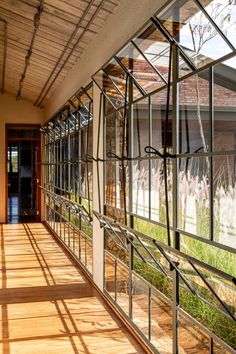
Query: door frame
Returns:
{"type": "Point", "coordinates": [38, 194]}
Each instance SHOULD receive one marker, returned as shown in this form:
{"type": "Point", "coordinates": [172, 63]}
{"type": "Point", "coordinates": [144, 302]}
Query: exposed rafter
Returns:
{"type": "Point", "coordinates": [50, 51]}
{"type": "Point", "coordinates": [4, 54]}
{"type": "Point", "coordinates": [43, 94]}
{"type": "Point", "coordinates": [37, 17]}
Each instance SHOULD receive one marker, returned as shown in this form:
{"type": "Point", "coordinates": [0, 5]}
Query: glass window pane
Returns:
{"type": "Point", "coordinates": [225, 200]}
{"type": "Point", "coordinates": [158, 193]}
{"type": "Point", "coordinates": [140, 299]}
{"type": "Point", "coordinates": [150, 229]}
{"type": "Point", "coordinates": [111, 133]}
{"type": "Point", "coordinates": [218, 323]}
{"type": "Point", "coordinates": [142, 71]}
{"type": "Point", "coordinates": [122, 287]}
{"type": "Point", "coordinates": [117, 75]}
{"type": "Point", "coordinates": [111, 183]}
{"type": "Point", "coordinates": [219, 349]}
{"type": "Point", "coordinates": [109, 88]}
{"type": "Point", "coordinates": [156, 48]}
{"type": "Point", "coordinates": [198, 277]}
{"type": "Point", "coordinates": [209, 254]}
{"type": "Point", "coordinates": [160, 137]}
{"type": "Point", "coordinates": [193, 193]}
{"type": "Point", "coordinates": [110, 274]}
{"type": "Point", "coordinates": [184, 67]}
{"type": "Point", "coordinates": [195, 33]}
{"type": "Point", "coordinates": [194, 114]}
{"type": "Point", "coordinates": [223, 12]}
{"type": "Point", "coordinates": [162, 327]}
{"type": "Point", "coordinates": [85, 100]}
{"type": "Point", "coordinates": [155, 278]}
{"type": "Point", "coordinates": [82, 248]}
{"type": "Point", "coordinates": [191, 338]}
{"type": "Point", "coordinates": [225, 106]}
{"type": "Point", "coordinates": [140, 187]}
{"type": "Point", "coordinates": [140, 133]}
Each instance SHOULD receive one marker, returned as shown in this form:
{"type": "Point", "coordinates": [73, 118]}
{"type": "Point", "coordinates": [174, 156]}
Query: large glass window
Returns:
{"type": "Point", "coordinates": [68, 148]}
{"type": "Point", "coordinates": [195, 32]}
{"type": "Point", "coordinates": [170, 138]}
{"type": "Point", "coordinates": [167, 105]}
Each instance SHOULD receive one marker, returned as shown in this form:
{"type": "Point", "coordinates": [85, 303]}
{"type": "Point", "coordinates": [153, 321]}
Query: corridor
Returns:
{"type": "Point", "coordinates": [48, 305]}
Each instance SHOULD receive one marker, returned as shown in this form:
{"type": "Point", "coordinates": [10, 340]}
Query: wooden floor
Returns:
{"type": "Point", "coordinates": [47, 305]}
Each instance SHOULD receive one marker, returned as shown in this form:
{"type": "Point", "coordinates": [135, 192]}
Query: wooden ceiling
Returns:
{"type": "Point", "coordinates": [41, 40]}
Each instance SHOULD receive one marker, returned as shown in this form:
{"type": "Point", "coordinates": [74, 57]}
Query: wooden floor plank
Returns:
{"type": "Point", "coordinates": [47, 304]}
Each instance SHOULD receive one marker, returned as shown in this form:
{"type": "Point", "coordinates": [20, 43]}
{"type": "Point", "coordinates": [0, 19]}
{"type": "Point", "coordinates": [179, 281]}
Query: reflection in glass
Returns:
{"type": "Point", "coordinates": [219, 349]}
{"type": "Point", "coordinates": [153, 230]}
{"type": "Point", "coordinates": [193, 193]}
{"type": "Point", "coordinates": [140, 300]}
{"type": "Point", "coordinates": [140, 133]}
{"type": "Point", "coordinates": [117, 75]}
{"type": "Point", "coordinates": [110, 275]}
{"type": "Point", "coordinates": [225, 106]}
{"type": "Point", "coordinates": [143, 72]}
{"type": "Point", "coordinates": [198, 277]}
{"type": "Point", "coordinates": [161, 325]}
{"type": "Point", "coordinates": [223, 12]}
{"type": "Point", "coordinates": [156, 48]}
{"type": "Point", "coordinates": [158, 197]}
{"type": "Point", "coordinates": [194, 114]}
{"type": "Point", "coordinates": [110, 183]}
{"type": "Point", "coordinates": [117, 173]}
{"type": "Point", "coordinates": [115, 98]}
{"type": "Point", "coordinates": [225, 200]}
{"type": "Point", "coordinates": [122, 276]}
{"type": "Point", "coordinates": [111, 133]}
{"type": "Point", "coordinates": [140, 187]}
{"type": "Point", "coordinates": [209, 254]}
{"type": "Point", "coordinates": [195, 33]}
{"type": "Point", "coordinates": [184, 67]}
{"type": "Point", "coordinates": [161, 135]}
{"type": "Point", "coordinates": [192, 340]}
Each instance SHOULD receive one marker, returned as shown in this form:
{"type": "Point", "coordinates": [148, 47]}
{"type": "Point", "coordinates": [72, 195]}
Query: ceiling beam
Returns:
{"type": "Point", "coordinates": [4, 54]}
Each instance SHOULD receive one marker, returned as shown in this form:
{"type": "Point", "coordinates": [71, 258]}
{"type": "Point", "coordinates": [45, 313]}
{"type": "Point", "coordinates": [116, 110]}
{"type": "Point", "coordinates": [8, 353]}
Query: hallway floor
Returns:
{"type": "Point", "coordinates": [20, 210]}
{"type": "Point", "coordinates": [48, 305]}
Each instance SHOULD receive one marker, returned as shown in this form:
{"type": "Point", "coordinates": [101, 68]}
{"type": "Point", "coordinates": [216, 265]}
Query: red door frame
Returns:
{"type": "Point", "coordinates": [38, 173]}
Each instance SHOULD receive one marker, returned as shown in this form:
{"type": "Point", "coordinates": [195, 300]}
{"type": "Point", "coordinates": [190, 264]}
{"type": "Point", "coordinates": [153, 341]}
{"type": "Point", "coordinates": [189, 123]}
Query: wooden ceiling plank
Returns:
{"type": "Point", "coordinates": [18, 8]}
{"type": "Point", "coordinates": [24, 35]}
{"type": "Point", "coordinates": [57, 23]}
{"type": "Point", "coordinates": [15, 20]}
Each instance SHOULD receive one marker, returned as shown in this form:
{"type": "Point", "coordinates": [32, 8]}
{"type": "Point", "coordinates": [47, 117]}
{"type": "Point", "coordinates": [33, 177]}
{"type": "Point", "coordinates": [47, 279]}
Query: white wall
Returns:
{"type": "Point", "coordinates": [12, 111]}
{"type": "Point", "coordinates": [98, 233]}
{"type": "Point", "coordinates": [128, 18]}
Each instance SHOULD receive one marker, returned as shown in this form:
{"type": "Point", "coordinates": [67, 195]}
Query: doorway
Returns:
{"type": "Point", "coordinates": [23, 174]}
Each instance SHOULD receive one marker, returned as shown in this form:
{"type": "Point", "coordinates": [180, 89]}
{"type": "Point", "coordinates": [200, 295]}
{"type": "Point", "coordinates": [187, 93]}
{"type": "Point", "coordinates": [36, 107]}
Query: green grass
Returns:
{"type": "Point", "coordinates": [150, 229]}
{"type": "Point", "coordinates": [155, 278]}
{"type": "Point", "coordinates": [203, 221]}
{"type": "Point", "coordinates": [219, 324]}
{"type": "Point", "coordinates": [209, 254]}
